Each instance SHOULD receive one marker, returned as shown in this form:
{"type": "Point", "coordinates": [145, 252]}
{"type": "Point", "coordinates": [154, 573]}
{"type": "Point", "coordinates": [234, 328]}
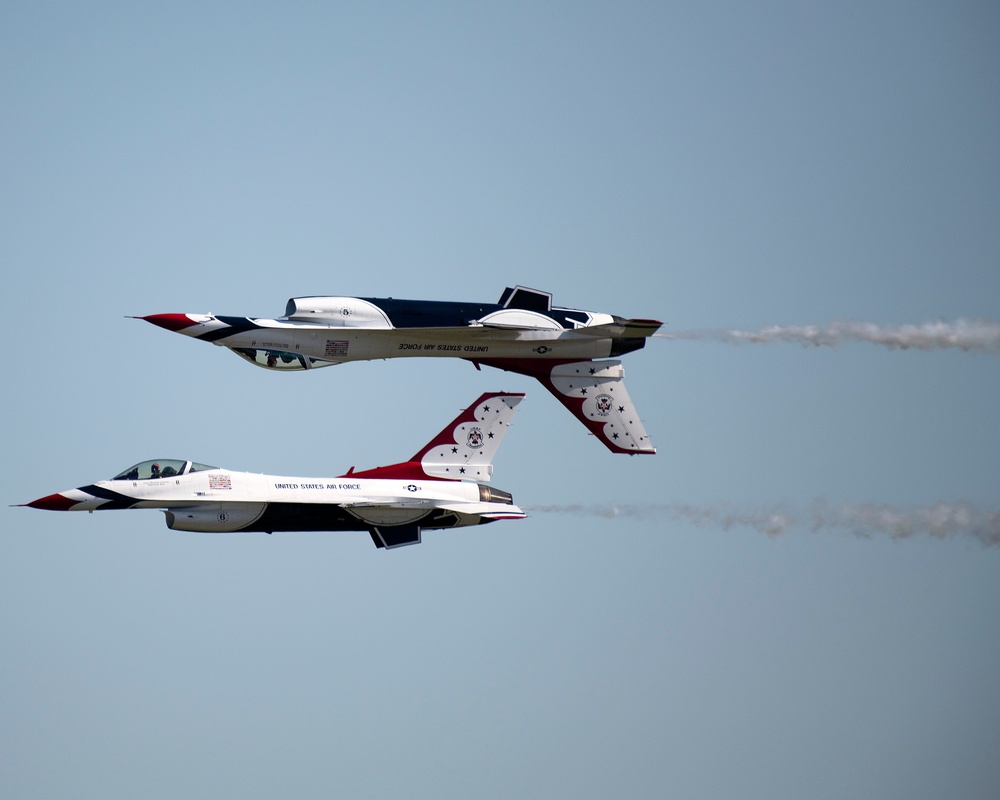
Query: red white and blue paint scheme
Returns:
{"type": "Point", "coordinates": [443, 486]}
{"type": "Point", "coordinates": [521, 333]}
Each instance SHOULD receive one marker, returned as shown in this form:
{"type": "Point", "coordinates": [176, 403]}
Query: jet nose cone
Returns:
{"type": "Point", "coordinates": [53, 502]}
{"type": "Point", "coordinates": [172, 322]}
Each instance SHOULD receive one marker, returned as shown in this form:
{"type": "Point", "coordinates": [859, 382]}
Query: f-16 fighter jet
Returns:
{"type": "Point", "coordinates": [443, 486]}
{"type": "Point", "coordinates": [521, 333]}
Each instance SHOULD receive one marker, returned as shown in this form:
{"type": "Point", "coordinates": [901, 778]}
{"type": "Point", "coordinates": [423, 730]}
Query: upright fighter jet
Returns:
{"type": "Point", "coordinates": [443, 486]}
{"type": "Point", "coordinates": [523, 333]}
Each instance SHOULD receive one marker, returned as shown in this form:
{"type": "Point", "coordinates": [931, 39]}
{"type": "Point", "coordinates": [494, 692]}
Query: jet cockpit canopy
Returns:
{"type": "Point", "coordinates": [281, 360]}
{"type": "Point", "coordinates": [160, 468]}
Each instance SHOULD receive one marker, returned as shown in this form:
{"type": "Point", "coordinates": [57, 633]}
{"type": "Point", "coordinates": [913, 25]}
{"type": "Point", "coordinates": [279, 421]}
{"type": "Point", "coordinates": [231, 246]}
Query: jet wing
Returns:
{"type": "Point", "coordinates": [594, 391]}
{"type": "Point", "coordinates": [384, 503]}
{"type": "Point", "coordinates": [489, 510]}
{"type": "Point", "coordinates": [514, 326]}
{"type": "Point", "coordinates": [620, 328]}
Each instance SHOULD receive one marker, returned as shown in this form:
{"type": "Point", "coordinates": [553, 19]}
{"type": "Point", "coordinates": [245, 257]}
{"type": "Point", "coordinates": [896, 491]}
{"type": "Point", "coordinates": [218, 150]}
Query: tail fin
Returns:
{"type": "Point", "coordinates": [464, 450]}
{"type": "Point", "coordinates": [594, 391]}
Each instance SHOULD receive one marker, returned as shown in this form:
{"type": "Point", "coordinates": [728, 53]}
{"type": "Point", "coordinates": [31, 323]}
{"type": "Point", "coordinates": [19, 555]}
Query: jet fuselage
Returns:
{"type": "Point", "coordinates": [322, 331]}
{"type": "Point", "coordinates": [222, 501]}
{"type": "Point", "coordinates": [523, 333]}
{"type": "Point", "coordinates": [444, 485]}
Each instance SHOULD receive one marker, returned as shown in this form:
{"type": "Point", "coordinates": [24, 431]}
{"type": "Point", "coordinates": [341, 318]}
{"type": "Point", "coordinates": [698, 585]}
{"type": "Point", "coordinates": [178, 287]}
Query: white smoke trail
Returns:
{"type": "Point", "coordinates": [963, 334]}
{"type": "Point", "coordinates": [940, 521]}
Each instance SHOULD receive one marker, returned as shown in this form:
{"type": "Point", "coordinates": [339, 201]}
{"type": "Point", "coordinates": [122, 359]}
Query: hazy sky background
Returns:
{"type": "Point", "coordinates": [712, 165]}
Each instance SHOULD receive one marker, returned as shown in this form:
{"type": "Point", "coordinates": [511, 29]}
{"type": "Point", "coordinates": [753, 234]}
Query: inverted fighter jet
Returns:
{"type": "Point", "coordinates": [521, 333]}
{"type": "Point", "coordinates": [443, 486]}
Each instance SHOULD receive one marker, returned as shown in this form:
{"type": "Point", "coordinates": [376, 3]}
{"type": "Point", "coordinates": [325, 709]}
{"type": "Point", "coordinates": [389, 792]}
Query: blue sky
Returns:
{"type": "Point", "coordinates": [710, 165]}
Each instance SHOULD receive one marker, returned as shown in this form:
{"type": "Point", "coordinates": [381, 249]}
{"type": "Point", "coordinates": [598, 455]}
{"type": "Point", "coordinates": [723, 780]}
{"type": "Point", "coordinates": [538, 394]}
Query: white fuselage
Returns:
{"type": "Point", "coordinates": [523, 333]}
{"type": "Point", "coordinates": [343, 344]}
{"type": "Point", "coordinates": [444, 485]}
{"type": "Point", "coordinates": [224, 501]}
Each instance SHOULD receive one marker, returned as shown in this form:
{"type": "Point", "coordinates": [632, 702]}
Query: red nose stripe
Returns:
{"type": "Point", "coordinates": [172, 322]}
{"type": "Point", "coordinates": [54, 502]}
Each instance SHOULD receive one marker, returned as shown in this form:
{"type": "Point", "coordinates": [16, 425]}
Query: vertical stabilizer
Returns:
{"type": "Point", "coordinates": [595, 392]}
{"type": "Point", "coordinates": [464, 450]}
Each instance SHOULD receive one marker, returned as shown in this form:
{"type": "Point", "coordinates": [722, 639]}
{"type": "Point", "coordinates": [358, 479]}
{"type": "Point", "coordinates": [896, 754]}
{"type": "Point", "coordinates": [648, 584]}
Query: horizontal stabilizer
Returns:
{"type": "Point", "coordinates": [485, 510]}
{"type": "Point", "coordinates": [623, 328]}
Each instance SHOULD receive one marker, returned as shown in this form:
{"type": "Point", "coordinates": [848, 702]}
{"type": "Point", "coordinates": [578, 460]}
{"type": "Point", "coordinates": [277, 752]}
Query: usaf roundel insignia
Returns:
{"type": "Point", "coordinates": [603, 404]}
{"type": "Point", "coordinates": [475, 438]}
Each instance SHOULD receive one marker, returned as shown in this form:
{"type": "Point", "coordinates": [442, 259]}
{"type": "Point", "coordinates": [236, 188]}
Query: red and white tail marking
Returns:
{"type": "Point", "coordinates": [464, 450]}
{"type": "Point", "coordinates": [595, 392]}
